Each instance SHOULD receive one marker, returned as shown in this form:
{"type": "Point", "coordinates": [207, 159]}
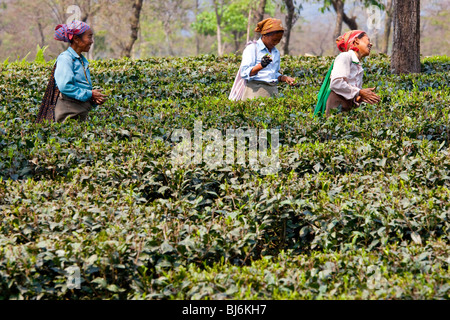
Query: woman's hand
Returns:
{"type": "Point", "coordinates": [368, 96]}
{"type": "Point", "coordinates": [288, 80]}
{"type": "Point", "coordinates": [98, 97]}
{"type": "Point", "coordinates": [265, 61]}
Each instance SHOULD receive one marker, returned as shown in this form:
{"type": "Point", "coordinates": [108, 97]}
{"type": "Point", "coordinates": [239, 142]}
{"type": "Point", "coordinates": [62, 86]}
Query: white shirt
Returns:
{"type": "Point", "coordinates": [252, 56]}
{"type": "Point", "coordinates": [347, 75]}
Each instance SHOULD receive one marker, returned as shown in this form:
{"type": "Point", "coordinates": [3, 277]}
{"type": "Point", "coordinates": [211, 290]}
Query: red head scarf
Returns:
{"type": "Point", "coordinates": [64, 32]}
{"type": "Point", "coordinates": [345, 42]}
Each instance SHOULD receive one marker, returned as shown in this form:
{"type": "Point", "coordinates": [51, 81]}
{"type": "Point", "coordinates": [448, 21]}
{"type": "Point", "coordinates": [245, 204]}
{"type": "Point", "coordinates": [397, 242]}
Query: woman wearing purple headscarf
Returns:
{"type": "Point", "coordinates": [72, 76]}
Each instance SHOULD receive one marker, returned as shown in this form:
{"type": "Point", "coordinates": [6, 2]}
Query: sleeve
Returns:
{"type": "Point", "coordinates": [248, 62]}
{"type": "Point", "coordinates": [65, 80]}
{"type": "Point", "coordinates": [339, 77]}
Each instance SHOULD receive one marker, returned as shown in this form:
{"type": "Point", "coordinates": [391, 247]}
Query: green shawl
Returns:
{"type": "Point", "coordinates": [324, 92]}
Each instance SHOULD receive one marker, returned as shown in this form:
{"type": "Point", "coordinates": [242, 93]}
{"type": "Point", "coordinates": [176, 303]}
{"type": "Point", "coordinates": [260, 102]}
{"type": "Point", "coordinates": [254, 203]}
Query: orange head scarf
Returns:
{"type": "Point", "coordinates": [345, 42]}
{"type": "Point", "coordinates": [269, 25]}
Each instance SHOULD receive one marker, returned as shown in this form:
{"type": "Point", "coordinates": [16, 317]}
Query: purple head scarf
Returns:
{"type": "Point", "coordinates": [65, 32]}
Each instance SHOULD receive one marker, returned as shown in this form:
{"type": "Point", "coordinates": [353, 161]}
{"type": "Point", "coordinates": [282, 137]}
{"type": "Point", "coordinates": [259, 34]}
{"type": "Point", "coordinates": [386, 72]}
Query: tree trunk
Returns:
{"type": "Point", "coordinates": [219, 40]}
{"type": "Point", "coordinates": [387, 26]}
{"type": "Point", "coordinates": [89, 10]}
{"type": "Point", "coordinates": [406, 46]}
{"type": "Point", "coordinates": [197, 38]}
{"type": "Point", "coordinates": [339, 8]}
{"type": "Point", "coordinates": [350, 22]}
{"type": "Point", "coordinates": [290, 20]}
{"type": "Point", "coordinates": [90, 54]}
{"type": "Point", "coordinates": [236, 36]}
{"type": "Point", "coordinates": [219, 29]}
{"type": "Point", "coordinates": [261, 10]}
{"type": "Point", "coordinates": [169, 46]}
{"type": "Point", "coordinates": [85, 16]}
{"type": "Point", "coordinates": [248, 24]}
{"type": "Point", "coordinates": [167, 33]}
{"type": "Point", "coordinates": [134, 23]}
{"type": "Point", "coordinates": [41, 32]}
{"type": "Point", "coordinates": [86, 11]}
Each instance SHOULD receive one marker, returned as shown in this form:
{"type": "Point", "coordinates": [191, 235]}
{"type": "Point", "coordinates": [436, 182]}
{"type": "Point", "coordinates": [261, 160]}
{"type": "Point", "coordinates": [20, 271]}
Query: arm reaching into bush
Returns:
{"type": "Point", "coordinates": [369, 96]}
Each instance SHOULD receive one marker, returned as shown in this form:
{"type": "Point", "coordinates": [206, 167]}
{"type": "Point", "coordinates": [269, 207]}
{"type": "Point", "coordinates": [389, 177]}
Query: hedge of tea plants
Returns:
{"type": "Point", "coordinates": [359, 208]}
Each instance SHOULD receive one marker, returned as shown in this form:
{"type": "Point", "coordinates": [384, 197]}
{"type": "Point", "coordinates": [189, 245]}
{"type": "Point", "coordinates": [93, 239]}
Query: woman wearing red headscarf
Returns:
{"type": "Point", "coordinates": [347, 74]}
{"type": "Point", "coordinates": [72, 74]}
{"type": "Point", "coordinates": [69, 92]}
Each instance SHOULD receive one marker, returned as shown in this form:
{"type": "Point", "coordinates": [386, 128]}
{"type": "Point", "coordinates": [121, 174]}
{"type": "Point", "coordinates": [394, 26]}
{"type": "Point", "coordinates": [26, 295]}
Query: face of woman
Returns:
{"type": "Point", "coordinates": [272, 40]}
{"type": "Point", "coordinates": [364, 45]}
{"type": "Point", "coordinates": [85, 41]}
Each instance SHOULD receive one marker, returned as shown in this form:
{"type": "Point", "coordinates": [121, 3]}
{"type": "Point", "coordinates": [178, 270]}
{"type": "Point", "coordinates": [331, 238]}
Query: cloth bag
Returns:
{"type": "Point", "coordinates": [324, 93]}
{"type": "Point", "coordinates": [47, 108]}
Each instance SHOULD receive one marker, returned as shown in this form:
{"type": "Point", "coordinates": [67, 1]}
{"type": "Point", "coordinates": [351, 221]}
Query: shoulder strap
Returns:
{"type": "Point", "coordinates": [253, 42]}
{"type": "Point", "coordinates": [84, 69]}
{"type": "Point", "coordinates": [82, 64]}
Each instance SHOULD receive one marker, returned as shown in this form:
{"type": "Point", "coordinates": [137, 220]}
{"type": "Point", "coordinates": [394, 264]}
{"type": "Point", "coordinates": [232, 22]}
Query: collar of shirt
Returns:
{"type": "Point", "coordinates": [354, 57]}
{"type": "Point", "coordinates": [262, 47]}
{"type": "Point", "coordinates": [74, 54]}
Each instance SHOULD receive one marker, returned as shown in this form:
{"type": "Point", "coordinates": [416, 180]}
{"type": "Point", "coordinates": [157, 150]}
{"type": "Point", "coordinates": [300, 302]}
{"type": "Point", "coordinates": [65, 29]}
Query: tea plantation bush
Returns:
{"type": "Point", "coordinates": [359, 209]}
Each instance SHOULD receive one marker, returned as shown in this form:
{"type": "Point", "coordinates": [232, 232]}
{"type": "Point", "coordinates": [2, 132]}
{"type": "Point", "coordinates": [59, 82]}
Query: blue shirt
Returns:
{"type": "Point", "coordinates": [250, 60]}
{"type": "Point", "coordinates": [70, 77]}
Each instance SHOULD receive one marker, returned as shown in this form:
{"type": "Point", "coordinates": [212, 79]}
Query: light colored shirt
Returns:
{"type": "Point", "coordinates": [70, 77]}
{"type": "Point", "coordinates": [347, 75]}
{"type": "Point", "coordinates": [251, 57]}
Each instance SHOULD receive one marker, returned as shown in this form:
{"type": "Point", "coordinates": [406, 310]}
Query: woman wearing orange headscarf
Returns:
{"type": "Point", "coordinates": [260, 65]}
{"type": "Point", "coordinates": [347, 74]}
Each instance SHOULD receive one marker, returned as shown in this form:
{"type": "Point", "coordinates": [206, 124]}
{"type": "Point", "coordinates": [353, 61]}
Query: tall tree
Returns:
{"type": "Point", "coordinates": [293, 13]}
{"type": "Point", "coordinates": [261, 9]}
{"type": "Point", "coordinates": [197, 38]}
{"type": "Point", "coordinates": [249, 19]}
{"type": "Point", "coordinates": [134, 24]}
{"type": "Point", "coordinates": [233, 24]}
{"type": "Point", "coordinates": [64, 10]}
{"type": "Point", "coordinates": [387, 26]}
{"type": "Point", "coordinates": [342, 17]}
{"type": "Point", "coordinates": [235, 21]}
{"type": "Point", "coordinates": [88, 8]}
{"type": "Point", "coordinates": [218, 10]}
{"type": "Point", "coordinates": [434, 25]}
{"type": "Point", "coordinates": [338, 6]}
{"type": "Point", "coordinates": [172, 15]}
{"type": "Point", "coordinates": [406, 46]}
{"type": "Point", "coordinates": [256, 10]}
